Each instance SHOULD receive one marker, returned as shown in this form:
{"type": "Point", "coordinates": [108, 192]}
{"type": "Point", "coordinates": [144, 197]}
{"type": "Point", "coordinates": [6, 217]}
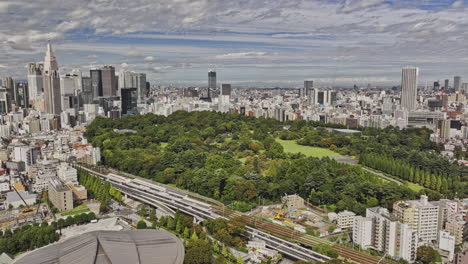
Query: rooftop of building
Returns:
{"type": "Point", "coordinates": [103, 247]}
{"type": "Point", "coordinates": [14, 197]}
{"type": "Point", "coordinates": [58, 185]}
{"type": "Point", "coordinates": [346, 213]}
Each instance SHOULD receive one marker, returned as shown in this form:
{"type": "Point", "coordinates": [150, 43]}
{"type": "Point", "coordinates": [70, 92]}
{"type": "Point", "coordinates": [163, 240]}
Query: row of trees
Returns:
{"type": "Point", "coordinates": [97, 189]}
{"type": "Point", "coordinates": [78, 219]}
{"type": "Point", "coordinates": [27, 237]}
{"type": "Point", "coordinates": [404, 170]}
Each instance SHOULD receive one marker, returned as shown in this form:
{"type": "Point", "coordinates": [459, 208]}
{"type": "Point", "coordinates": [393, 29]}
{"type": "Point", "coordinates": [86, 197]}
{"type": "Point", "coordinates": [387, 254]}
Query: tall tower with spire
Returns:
{"type": "Point", "coordinates": [51, 81]}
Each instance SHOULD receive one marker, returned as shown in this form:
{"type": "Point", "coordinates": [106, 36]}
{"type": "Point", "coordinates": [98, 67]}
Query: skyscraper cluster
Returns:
{"type": "Point", "coordinates": [50, 92]}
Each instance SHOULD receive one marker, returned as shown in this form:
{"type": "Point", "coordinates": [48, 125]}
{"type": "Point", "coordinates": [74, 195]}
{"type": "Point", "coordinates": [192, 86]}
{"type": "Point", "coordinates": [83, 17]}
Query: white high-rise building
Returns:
{"type": "Point", "coordinates": [421, 216]}
{"type": "Point", "coordinates": [391, 236]}
{"type": "Point", "coordinates": [409, 88]}
{"type": "Point", "coordinates": [362, 231]}
{"type": "Point", "coordinates": [51, 82]}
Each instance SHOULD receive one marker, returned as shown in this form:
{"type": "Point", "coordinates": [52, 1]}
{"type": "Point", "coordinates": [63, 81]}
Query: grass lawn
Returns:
{"type": "Point", "coordinates": [413, 186]}
{"type": "Point", "coordinates": [293, 147]}
{"type": "Point", "coordinates": [77, 210]}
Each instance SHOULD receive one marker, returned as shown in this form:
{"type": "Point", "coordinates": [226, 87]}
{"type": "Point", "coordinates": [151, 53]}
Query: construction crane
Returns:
{"type": "Point", "coordinates": [279, 215]}
{"type": "Point", "coordinates": [28, 209]}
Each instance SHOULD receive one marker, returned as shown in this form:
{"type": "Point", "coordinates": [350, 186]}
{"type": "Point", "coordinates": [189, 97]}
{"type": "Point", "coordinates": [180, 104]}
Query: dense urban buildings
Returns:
{"type": "Point", "coordinates": [44, 118]}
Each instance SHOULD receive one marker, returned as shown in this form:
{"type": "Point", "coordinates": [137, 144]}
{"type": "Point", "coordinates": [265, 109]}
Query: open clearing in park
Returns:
{"type": "Point", "coordinates": [293, 147]}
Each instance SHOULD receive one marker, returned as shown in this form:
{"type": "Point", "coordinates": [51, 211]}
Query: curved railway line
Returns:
{"type": "Point", "coordinates": [282, 238]}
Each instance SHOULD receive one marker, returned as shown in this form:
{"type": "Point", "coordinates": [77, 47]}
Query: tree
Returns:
{"type": "Point", "coordinates": [186, 232]}
{"type": "Point", "coordinates": [198, 252]}
{"type": "Point", "coordinates": [170, 223]}
{"type": "Point", "coordinates": [194, 236]}
{"type": "Point", "coordinates": [61, 223]}
{"type": "Point", "coordinates": [141, 225]}
{"type": "Point", "coordinates": [163, 221]}
{"type": "Point", "coordinates": [152, 215]}
{"type": "Point", "coordinates": [240, 260]}
{"type": "Point", "coordinates": [224, 251]}
{"type": "Point", "coordinates": [427, 254]}
{"type": "Point", "coordinates": [180, 225]}
{"type": "Point", "coordinates": [143, 211]}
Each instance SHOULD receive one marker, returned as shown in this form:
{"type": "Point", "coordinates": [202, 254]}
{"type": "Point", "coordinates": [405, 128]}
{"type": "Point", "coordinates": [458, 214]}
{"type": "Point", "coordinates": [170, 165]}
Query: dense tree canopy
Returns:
{"type": "Point", "coordinates": [236, 159]}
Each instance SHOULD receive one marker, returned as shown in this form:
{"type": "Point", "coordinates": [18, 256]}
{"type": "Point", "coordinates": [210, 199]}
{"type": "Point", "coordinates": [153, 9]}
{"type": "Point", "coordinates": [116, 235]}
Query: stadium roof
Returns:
{"type": "Point", "coordinates": [116, 247]}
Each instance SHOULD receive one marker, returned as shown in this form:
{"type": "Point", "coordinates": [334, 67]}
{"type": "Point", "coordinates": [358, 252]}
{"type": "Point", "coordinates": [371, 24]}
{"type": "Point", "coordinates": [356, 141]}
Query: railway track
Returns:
{"type": "Point", "coordinates": [298, 237]}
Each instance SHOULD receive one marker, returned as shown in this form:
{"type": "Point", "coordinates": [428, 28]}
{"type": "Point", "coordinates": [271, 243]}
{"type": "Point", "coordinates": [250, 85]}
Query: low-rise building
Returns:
{"type": "Point", "coordinates": [15, 200]}
{"type": "Point", "coordinates": [447, 243]}
{"type": "Point", "coordinates": [345, 219]}
{"type": "Point", "coordinates": [60, 195]}
{"type": "Point", "coordinates": [79, 192]}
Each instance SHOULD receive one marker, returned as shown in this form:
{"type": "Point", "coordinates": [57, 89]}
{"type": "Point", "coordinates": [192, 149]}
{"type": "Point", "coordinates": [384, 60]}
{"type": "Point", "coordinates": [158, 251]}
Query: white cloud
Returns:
{"type": "Point", "coordinates": [241, 55]}
{"type": "Point", "coordinates": [458, 4]}
{"type": "Point", "coordinates": [134, 53]}
{"type": "Point", "coordinates": [251, 32]}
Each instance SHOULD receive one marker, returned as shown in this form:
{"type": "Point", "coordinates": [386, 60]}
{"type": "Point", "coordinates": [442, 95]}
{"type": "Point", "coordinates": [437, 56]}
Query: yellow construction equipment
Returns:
{"type": "Point", "coordinates": [279, 215]}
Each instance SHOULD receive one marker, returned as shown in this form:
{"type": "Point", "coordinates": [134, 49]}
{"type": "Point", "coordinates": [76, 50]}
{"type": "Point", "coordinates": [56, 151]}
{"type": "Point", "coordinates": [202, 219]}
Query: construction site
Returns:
{"type": "Point", "coordinates": [27, 213]}
{"type": "Point", "coordinates": [296, 213]}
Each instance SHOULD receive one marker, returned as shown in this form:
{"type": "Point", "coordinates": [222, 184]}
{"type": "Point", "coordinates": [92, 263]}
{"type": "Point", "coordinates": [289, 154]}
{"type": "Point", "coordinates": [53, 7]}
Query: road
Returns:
{"type": "Point", "coordinates": [351, 161]}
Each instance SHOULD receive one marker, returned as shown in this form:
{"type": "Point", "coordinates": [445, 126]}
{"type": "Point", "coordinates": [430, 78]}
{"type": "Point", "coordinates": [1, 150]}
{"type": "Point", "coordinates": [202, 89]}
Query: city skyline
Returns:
{"type": "Point", "coordinates": [259, 44]}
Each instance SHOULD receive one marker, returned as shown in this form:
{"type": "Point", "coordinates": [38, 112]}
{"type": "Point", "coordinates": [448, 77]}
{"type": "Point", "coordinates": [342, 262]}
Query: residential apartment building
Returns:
{"type": "Point", "coordinates": [383, 232]}
{"type": "Point", "coordinates": [421, 216]}
{"type": "Point", "coordinates": [362, 231]}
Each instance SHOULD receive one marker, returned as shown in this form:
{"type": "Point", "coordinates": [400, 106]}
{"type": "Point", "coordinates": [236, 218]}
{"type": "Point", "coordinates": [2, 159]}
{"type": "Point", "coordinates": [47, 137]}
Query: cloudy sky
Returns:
{"type": "Point", "coordinates": [248, 42]}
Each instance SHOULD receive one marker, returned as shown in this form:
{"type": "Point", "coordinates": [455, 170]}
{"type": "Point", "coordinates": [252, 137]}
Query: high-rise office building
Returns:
{"type": "Point", "coordinates": [87, 94]}
{"type": "Point", "coordinates": [224, 98]}
{"type": "Point", "coordinates": [308, 87]}
{"type": "Point", "coordinates": [134, 80]}
{"type": "Point", "coordinates": [70, 86]}
{"type": "Point", "coordinates": [129, 97]}
{"type": "Point", "coordinates": [457, 83]}
{"type": "Point", "coordinates": [226, 89]}
{"type": "Point", "coordinates": [9, 84]}
{"type": "Point", "coordinates": [51, 80]}
{"type": "Point", "coordinates": [96, 83]}
{"type": "Point", "coordinates": [409, 88]}
{"type": "Point", "coordinates": [21, 94]}
{"type": "Point", "coordinates": [35, 82]}
{"type": "Point", "coordinates": [211, 82]}
{"type": "Point", "coordinates": [446, 85]}
{"type": "Point", "coordinates": [109, 81]}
